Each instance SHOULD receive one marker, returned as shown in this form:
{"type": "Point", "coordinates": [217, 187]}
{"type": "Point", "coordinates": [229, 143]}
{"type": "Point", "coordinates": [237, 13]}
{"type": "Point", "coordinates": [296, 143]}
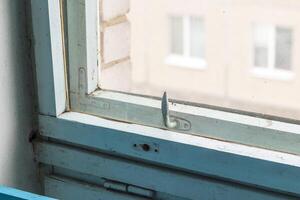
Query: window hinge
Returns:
{"type": "Point", "coordinates": [127, 188]}
{"type": "Point", "coordinates": [173, 122]}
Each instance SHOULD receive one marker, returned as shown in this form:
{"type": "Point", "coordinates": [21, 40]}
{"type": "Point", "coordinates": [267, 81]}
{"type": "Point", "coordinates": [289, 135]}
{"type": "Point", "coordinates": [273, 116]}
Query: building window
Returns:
{"type": "Point", "coordinates": [273, 51]}
{"type": "Point", "coordinates": [187, 42]}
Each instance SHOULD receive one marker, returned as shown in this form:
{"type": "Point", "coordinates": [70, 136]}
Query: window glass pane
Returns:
{"type": "Point", "coordinates": [283, 48]}
{"type": "Point", "coordinates": [197, 37]}
{"type": "Point", "coordinates": [176, 32]}
{"type": "Point", "coordinates": [232, 54]}
{"type": "Point", "coordinates": [261, 56]}
{"type": "Point", "coordinates": [262, 36]}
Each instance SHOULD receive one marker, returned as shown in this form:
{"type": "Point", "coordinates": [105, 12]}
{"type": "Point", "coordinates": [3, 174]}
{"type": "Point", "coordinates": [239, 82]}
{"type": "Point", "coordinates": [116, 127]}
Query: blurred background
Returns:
{"type": "Point", "coordinates": [229, 53]}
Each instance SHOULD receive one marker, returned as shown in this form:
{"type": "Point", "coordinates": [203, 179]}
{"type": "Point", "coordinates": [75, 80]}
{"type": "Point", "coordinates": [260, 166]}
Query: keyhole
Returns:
{"type": "Point", "coordinates": [146, 147]}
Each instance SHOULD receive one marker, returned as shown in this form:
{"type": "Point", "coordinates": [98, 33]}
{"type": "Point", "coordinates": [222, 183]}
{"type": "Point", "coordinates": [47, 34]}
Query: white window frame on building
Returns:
{"type": "Point", "coordinates": [186, 59]}
{"type": "Point", "coordinates": [270, 70]}
{"type": "Point", "coordinates": [130, 140]}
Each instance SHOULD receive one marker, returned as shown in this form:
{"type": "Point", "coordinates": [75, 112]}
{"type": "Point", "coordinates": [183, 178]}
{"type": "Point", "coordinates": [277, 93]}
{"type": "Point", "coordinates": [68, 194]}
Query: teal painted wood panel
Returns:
{"type": "Point", "coordinates": [236, 168]}
{"type": "Point", "coordinates": [67, 189]}
{"type": "Point", "coordinates": [58, 171]}
{"type": "Point", "coordinates": [7, 193]}
{"type": "Point", "coordinates": [159, 179]}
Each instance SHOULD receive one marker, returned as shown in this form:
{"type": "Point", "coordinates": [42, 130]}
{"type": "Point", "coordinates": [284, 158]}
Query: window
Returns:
{"type": "Point", "coordinates": [187, 45]}
{"type": "Point", "coordinates": [239, 51]}
{"type": "Point", "coordinates": [143, 105]}
{"type": "Point", "coordinates": [96, 131]}
{"type": "Point", "coordinates": [273, 50]}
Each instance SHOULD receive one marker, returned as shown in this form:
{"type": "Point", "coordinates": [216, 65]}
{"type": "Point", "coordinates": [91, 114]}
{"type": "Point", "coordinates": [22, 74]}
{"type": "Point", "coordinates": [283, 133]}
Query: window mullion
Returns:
{"type": "Point", "coordinates": [272, 46]}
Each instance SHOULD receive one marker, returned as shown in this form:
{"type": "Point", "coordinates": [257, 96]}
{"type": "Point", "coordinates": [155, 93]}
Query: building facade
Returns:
{"type": "Point", "coordinates": [229, 53]}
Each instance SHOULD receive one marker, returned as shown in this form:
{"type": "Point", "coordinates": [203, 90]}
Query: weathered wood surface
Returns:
{"type": "Point", "coordinates": [248, 165]}
{"type": "Point", "coordinates": [147, 176]}
{"type": "Point", "coordinates": [67, 189]}
{"type": "Point", "coordinates": [49, 61]}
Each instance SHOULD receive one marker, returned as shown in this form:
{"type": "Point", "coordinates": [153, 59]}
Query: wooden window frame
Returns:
{"type": "Point", "coordinates": [203, 154]}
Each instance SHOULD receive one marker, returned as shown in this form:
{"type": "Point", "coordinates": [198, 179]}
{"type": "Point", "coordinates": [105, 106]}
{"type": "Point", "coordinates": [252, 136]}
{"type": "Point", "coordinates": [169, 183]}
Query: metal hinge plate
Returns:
{"type": "Point", "coordinates": [127, 188]}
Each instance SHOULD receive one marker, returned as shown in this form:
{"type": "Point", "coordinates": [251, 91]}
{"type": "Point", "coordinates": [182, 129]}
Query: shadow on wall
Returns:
{"type": "Point", "coordinates": [17, 168]}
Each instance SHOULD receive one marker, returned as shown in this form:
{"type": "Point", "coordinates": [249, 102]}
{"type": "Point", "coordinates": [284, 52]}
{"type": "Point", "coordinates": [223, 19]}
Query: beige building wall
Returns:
{"type": "Point", "coordinates": [228, 79]}
{"type": "Point", "coordinates": [243, 84]}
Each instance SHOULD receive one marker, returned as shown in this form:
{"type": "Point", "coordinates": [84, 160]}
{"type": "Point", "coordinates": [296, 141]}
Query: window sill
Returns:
{"type": "Point", "coordinates": [188, 139]}
{"type": "Point", "coordinates": [235, 162]}
{"type": "Point", "coordinates": [186, 62]}
{"type": "Point", "coordinates": [276, 74]}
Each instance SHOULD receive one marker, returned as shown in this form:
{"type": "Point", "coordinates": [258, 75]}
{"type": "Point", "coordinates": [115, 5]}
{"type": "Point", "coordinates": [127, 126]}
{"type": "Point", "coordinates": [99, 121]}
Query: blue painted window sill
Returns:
{"type": "Point", "coordinates": [14, 194]}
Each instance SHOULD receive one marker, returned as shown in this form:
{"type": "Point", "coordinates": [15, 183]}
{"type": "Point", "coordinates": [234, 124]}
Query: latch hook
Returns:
{"type": "Point", "coordinates": [166, 113]}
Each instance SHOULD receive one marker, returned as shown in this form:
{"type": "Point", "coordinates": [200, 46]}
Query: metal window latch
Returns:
{"type": "Point", "coordinates": [172, 122]}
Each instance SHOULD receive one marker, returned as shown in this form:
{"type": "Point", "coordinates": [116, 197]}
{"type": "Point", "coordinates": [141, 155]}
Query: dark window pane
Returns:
{"type": "Point", "coordinates": [283, 48]}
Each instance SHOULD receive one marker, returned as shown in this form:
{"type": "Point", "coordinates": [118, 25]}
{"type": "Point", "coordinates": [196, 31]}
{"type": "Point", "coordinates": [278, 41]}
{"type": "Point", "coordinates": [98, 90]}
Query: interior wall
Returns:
{"type": "Point", "coordinates": [17, 168]}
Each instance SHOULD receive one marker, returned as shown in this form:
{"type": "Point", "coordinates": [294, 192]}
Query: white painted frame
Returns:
{"type": "Point", "coordinates": [147, 111]}
{"type": "Point", "coordinates": [207, 122]}
{"type": "Point", "coordinates": [49, 57]}
{"type": "Point", "coordinates": [252, 166]}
